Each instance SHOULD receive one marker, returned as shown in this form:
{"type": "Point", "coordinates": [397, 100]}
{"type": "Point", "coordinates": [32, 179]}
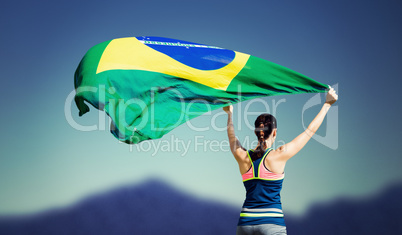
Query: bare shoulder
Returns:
{"type": "Point", "coordinates": [238, 151]}
{"type": "Point", "coordinates": [243, 161]}
{"type": "Point", "coordinates": [274, 161]}
{"type": "Point", "coordinates": [277, 154]}
{"type": "Point", "coordinates": [241, 155]}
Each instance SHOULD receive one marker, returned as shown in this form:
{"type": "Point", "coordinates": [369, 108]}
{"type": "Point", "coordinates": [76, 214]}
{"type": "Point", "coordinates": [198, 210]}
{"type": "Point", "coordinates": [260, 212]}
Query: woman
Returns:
{"type": "Point", "coordinates": [262, 170]}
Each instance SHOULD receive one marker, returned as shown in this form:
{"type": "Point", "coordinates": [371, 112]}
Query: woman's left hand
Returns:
{"type": "Point", "coordinates": [332, 97]}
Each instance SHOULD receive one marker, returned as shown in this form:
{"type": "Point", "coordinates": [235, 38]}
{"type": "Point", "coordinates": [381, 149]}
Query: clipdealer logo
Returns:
{"type": "Point", "coordinates": [331, 133]}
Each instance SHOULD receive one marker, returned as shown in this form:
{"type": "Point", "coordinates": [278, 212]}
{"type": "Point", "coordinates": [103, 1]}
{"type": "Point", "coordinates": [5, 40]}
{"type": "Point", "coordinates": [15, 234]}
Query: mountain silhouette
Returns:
{"type": "Point", "coordinates": [154, 207]}
{"type": "Point", "coordinates": [376, 214]}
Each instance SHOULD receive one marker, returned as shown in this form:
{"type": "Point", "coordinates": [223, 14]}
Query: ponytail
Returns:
{"type": "Point", "coordinates": [264, 125]}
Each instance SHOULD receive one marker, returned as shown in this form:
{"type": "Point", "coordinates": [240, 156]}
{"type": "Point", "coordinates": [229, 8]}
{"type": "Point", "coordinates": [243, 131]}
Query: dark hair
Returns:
{"type": "Point", "coordinates": [264, 124]}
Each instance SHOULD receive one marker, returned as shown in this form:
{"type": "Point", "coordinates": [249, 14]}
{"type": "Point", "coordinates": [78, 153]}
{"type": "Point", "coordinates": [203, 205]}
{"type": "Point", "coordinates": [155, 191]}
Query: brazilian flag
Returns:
{"type": "Point", "coordinates": [150, 85]}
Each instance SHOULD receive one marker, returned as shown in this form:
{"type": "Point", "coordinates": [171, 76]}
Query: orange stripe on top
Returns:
{"type": "Point", "coordinates": [263, 172]}
{"type": "Point", "coordinates": [249, 174]}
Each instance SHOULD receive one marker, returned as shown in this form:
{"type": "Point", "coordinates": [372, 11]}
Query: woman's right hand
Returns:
{"type": "Point", "coordinates": [228, 109]}
{"type": "Point", "coordinates": [332, 97]}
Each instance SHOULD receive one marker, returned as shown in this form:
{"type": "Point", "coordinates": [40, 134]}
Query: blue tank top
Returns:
{"type": "Point", "coordinates": [263, 201]}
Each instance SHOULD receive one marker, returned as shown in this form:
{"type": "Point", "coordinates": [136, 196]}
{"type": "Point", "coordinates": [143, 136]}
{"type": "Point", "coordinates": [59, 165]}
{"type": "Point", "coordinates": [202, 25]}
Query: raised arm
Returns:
{"type": "Point", "coordinates": [290, 149]}
{"type": "Point", "coordinates": [237, 150]}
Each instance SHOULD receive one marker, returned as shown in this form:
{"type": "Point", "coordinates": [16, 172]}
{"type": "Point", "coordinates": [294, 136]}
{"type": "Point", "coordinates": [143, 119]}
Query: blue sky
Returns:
{"type": "Point", "coordinates": [46, 163]}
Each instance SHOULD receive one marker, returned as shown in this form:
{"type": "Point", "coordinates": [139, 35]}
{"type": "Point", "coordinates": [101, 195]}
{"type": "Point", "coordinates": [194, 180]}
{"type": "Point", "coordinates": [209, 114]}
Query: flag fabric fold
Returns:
{"type": "Point", "coordinates": [150, 85]}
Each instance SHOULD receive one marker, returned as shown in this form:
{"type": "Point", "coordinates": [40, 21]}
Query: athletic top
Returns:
{"type": "Point", "coordinates": [263, 200]}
